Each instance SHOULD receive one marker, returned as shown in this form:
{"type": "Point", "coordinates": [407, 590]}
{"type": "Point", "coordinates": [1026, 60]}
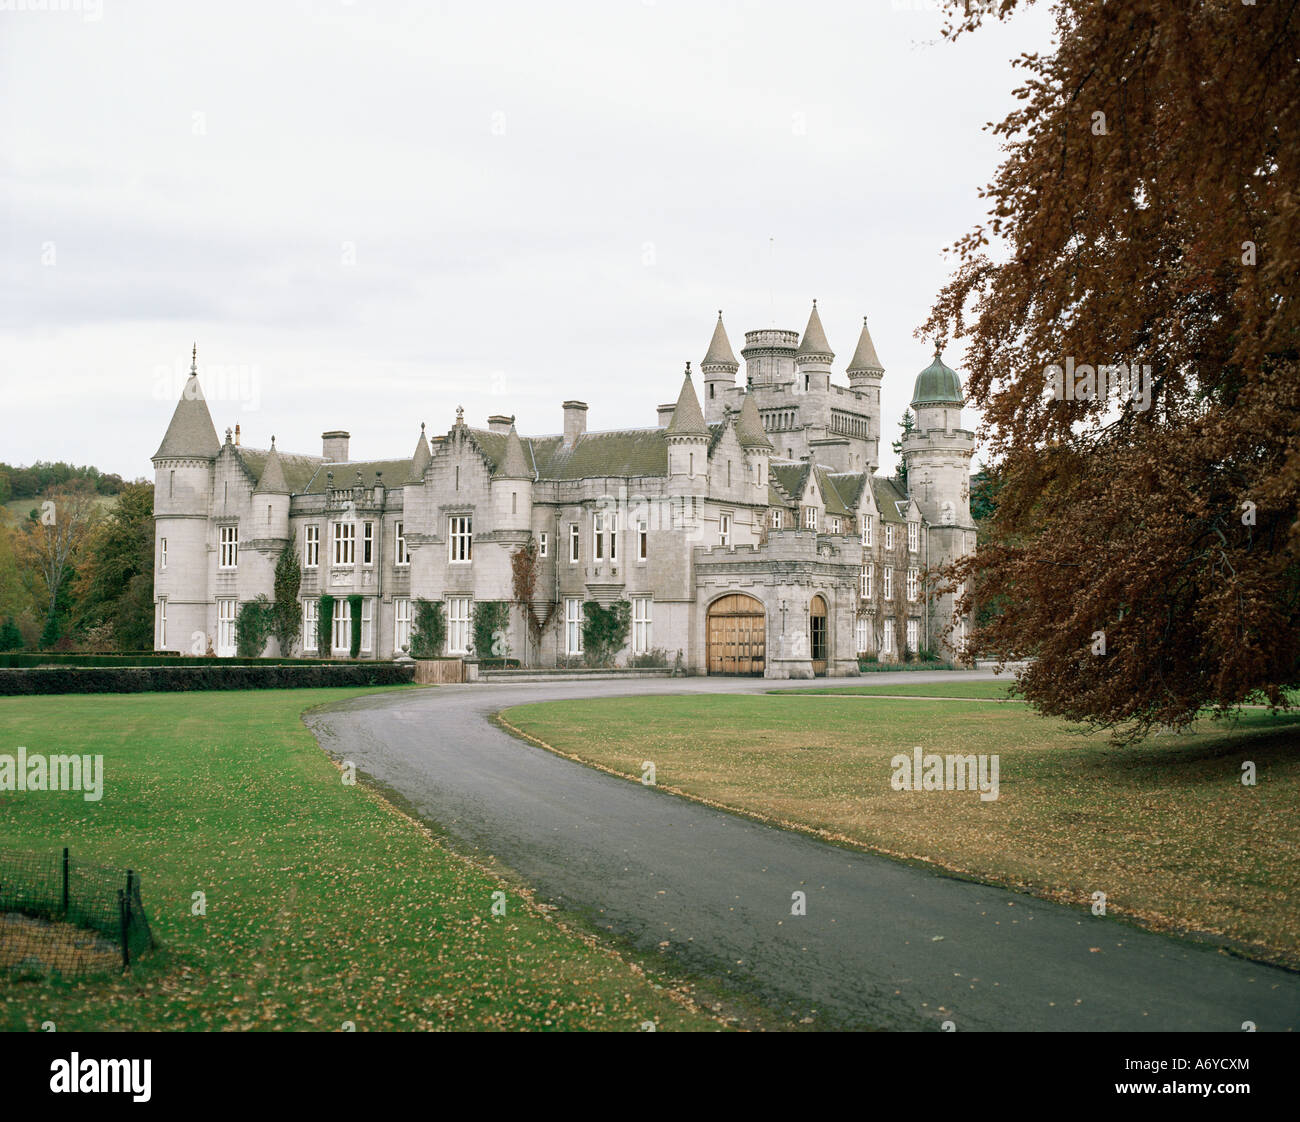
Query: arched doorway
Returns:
{"type": "Point", "coordinates": [817, 634]}
{"type": "Point", "coordinates": [737, 636]}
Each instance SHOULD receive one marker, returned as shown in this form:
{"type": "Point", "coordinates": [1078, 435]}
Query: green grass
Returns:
{"type": "Point", "coordinates": [324, 904]}
{"type": "Point", "coordinates": [981, 689]}
{"type": "Point", "coordinates": [1165, 828]}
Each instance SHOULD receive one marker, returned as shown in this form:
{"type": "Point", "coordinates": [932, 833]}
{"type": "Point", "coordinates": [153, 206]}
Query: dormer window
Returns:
{"type": "Point", "coordinates": [810, 518]}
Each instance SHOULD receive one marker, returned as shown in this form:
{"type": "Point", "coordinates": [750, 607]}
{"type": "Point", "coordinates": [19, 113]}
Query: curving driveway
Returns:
{"type": "Point", "coordinates": [883, 944]}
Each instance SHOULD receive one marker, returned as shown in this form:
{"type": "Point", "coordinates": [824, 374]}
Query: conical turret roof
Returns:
{"type": "Point", "coordinates": [515, 464]}
{"type": "Point", "coordinates": [191, 434]}
{"type": "Point", "coordinates": [273, 481]}
{"type": "Point", "coordinates": [749, 425]}
{"type": "Point", "coordinates": [422, 456]}
{"type": "Point", "coordinates": [720, 352]}
{"type": "Point", "coordinates": [688, 418]}
{"type": "Point", "coordinates": [865, 359]}
{"type": "Point", "coordinates": [814, 338]}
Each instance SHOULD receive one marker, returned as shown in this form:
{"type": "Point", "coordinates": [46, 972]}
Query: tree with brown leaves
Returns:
{"type": "Point", "coordinates": [1131, 325]}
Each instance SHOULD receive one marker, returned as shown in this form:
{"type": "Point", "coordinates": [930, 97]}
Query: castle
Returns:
{"type": "Point", "coordinates": [750, 532]}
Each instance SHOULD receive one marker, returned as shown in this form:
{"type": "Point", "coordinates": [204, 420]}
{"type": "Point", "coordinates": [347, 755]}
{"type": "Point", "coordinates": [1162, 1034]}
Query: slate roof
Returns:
{"type": "Point", "coordinates": [296, 470]}
{"type": "Point", "coordinates": [865, 357]}
{"type": "Point", "coordinates": [749, 426]}
{"type": "Point", "coordinates": [688, 419]}
{"type": "Point", "coordinates": [814, 338]}
{"type": "Point", "coordinates": [345, 474]}
{"type": "Point", "coordinates": [720, 353]}
{"type": "Point", "coordinates": [594, 455]}
{"type": "Point", "coordinates": [191, 433]}
{"type": "Point", "coordinates": [888, 499]}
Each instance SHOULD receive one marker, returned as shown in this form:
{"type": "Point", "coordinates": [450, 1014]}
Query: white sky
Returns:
{"type": "Point", "coordinates": [545, 201]}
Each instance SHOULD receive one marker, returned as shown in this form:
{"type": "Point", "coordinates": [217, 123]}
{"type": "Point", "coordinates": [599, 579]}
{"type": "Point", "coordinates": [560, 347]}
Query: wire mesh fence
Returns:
{"type": "Point", "coordinates": [63, 916]}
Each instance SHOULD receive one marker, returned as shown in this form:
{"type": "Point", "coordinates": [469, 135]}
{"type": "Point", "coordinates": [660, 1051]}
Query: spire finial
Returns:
{"type": "Point", "coordinates": [937, 350]}
{"type": "Point", "coordinates": [814, 301]}
{"type": "Point", "coordinates": [460, 414]}
{"type": "Point", "coordinates": [688, 369]}
{"type": "Point", "coordinates": [421, 427]}
{"type": "Point", "coordinates": [273, 442]}
{"type": "Point", "coordinates": [194, 359]}
{"type": "Point", "coordinates": [864, 321]}
{"type": "Point", "coordinates": [719, 313]}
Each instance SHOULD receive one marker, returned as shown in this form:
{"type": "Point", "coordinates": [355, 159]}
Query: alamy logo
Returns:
{"type": "Point", "coordinates": [1087, 383]}
{"type": "Point", "coordinates": [53, 773]}
{"type": "Point", "coordinates": [101, 1077]}
{"type": "Point", "coordinates": [922, 771]}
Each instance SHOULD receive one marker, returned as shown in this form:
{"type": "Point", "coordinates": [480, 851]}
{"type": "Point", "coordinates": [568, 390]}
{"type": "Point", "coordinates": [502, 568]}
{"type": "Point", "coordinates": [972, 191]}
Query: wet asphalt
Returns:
{"type": "Point", "coordinates": [883, 944]}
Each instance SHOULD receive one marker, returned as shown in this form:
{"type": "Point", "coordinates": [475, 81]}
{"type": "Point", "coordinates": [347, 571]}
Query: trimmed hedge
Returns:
{"type": "Point", "coordinates": [214, 676]}
{"type": "Point", "coordinates": [157, 658]}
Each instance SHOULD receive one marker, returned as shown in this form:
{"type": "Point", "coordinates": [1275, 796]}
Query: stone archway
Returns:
{"type": "Point", "coordinates": [737, 636]}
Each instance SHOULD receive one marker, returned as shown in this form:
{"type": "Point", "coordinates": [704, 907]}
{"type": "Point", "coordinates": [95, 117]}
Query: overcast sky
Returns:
{"type": "Point", "coordinates": [369, 213]}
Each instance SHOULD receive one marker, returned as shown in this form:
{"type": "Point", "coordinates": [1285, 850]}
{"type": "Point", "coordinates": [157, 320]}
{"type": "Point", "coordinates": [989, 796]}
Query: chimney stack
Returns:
{"type": "Point", "coordinates": [500, 424]}
{"type": "Point", "coordinates": [236, 436]}
{"type": "Point", "coordinates": [575, 421]}
{"type": "Point", "coordinates": [334, 446]}
{"type": "Point", "coordinates": [666, 414]}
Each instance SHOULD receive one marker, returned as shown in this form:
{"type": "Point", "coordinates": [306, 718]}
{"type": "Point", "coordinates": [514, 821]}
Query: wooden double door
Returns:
{"type": "Point", "coordinates": [737, 636]}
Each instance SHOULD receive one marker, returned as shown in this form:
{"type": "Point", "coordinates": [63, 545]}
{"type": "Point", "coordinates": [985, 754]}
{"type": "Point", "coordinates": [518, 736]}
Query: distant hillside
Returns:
{"type": "Point", "coordinates": [19, 482]}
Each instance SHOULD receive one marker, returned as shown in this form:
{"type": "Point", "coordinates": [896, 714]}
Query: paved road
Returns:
{"type": "Point", "coordinates": [883, 944]}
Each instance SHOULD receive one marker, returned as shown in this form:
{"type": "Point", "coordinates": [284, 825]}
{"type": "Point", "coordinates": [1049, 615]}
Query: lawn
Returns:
{"type": "Point", "coordinates": [1165, 828]}
{"type": "Point", "coordinates": [324, 904]}
{"type": "Point", "coordinates": [980, 690]}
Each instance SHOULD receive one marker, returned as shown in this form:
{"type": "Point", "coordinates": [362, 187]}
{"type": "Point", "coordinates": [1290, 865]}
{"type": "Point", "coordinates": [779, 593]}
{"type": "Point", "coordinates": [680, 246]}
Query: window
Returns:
{"type": "Point", "coordinates": [460, 538]}
{"type": "Point", "coordinates": [311, 548]}
{"type": "Point", "coordinates": [162, 625]}
{"type": "Point", "coordinates": [889, 536]}
{"type": "Point", "coordinates": [728, 473]}
{"type": "Point", "coordinates": [913, 634]}
{"type": "Point", "coordinates": [458, 625]}
{"type": "Point", "coordinates": [543, 538]}
{"type": "Point", "coordinates": [862, 634]}
{"type": "Point", "coordinates": [162, 553]}
{"type": "Point", "coordinates": [868, 580]}
{"type": "Point", "coordinates": [345, 543]}
{"type": "Point", "coordinates": [836, 525]}
{"type": "Point", "coordinates": [887, 638]}
{"type": "Point", "coordinates": [810, 518]}
{"type": "Point", "coordinates": [864, 582]}
{"type": "Point", "coordinates": [642, 540]}
{"type": "Point", "coordinates": [889, 584]}
{"type": "Point", "coordinates": [310, 622]}
{"type": "Point", "coordinates": [598, 536]}
{"type": "Point", "coordinates": [268, 514]}
{"type": "Point", "coordinates": [401, 624]}
{"type": "Point", "coordinates": [171, 484]}
{"type": "Point", "coordinates": [341, 631]}
{"type": "Point", "coordinates": [913, 580]}
{"type": "Point", "coordinates": [867, 521]}
{"type": "Point", "coordinates": [724, 529]}
{"type": "Point", "coordinates": [573, 626]}
{"type": "Point", "coordinates": [641, 623]}
{"type": "Point", "coordinates": [367, 543]}
{"type": "Point", "coordinates": [776, 519]}
{"type": "Point", "coordinates": [611, 524]}
{"type": "Point", "coordinates": [368, 624]}
{"type": "Point", "coordinates": [225, 628]}
{"type": "Point", "coordinates": [913, 537]}
{"type": "Point", "coordinates": [401, 555]}
{"type": "Point", "coordinates": [573, 543]}
{"type": "Point", "coordinates": [229, 547]}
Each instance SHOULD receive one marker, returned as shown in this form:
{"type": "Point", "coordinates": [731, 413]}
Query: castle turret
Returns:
{"type": "Point", "coordinates": [688, 439]}
{"type": "Point", "coordinates": [813, 358]}
{"type": "Point", "coordinates": [937, 455]}
{"type": "Point", "coordinates": [512, 486]}
{"type": "Point", "coordinates": [420, 460]}
{"type": "Point", "coordinates": [719, 368]}
{"type": "Point", "coordinates": [865, 372]}
{"type": "Point", "coordinates": [769, 356]}
{"type": "Point", "coordinates": [271, 501]}
{"type": "Point", "coordinates": [756, 446]}
{"type": "Point", "coordinates": [183, 473]}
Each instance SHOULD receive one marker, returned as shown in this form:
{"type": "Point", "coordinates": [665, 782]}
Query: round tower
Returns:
{"type": "Point", "coordinates": [938, 450]}
{"type": "Point", "coordinates": [512, 487]}
{"type": "Point", "coordinates": [719, 368]}
{"type": "Point", "coordinates": [182, 496]}
{"type": "Point", "coordinates": [769, 356]}
{"type": "Point", "coordinates": [813, 358]}
{"type": "Point", "coordinates": [865, 373]}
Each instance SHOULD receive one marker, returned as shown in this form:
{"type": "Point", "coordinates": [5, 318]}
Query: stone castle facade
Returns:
{"type": "Point", "coordinates": [748, 529]}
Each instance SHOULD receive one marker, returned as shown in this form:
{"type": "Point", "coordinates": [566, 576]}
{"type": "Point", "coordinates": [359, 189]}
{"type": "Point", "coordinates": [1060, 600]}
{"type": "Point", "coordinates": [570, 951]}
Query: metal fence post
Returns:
{"type": "Point", "coordinates": [65, 880]}
{"type": "Point", "coordinates": [122, 923]}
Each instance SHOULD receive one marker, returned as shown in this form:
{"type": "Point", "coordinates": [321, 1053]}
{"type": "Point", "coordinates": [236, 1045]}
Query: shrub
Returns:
{"type": "Point", "coordinates": [218, 675]}
{"type": "Point", "coordinates": [489, 627]}
{"type": "Point", "coordinates": [253, 627]}
{"type": "Point", "coordinates": [354, 611]}
{"type": "Point", "coordinates": [286, 613]}
{"type": "Point", "coordinates": [652, 659]}
{"type": "Point", "coordinates": [429, 631]}
{"type": "Point", "coordinates": [325, 625]}
{"type": "Point", "coordinates": [11, 638]}
{"type": "Point", "coordinates": [605, 630]}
